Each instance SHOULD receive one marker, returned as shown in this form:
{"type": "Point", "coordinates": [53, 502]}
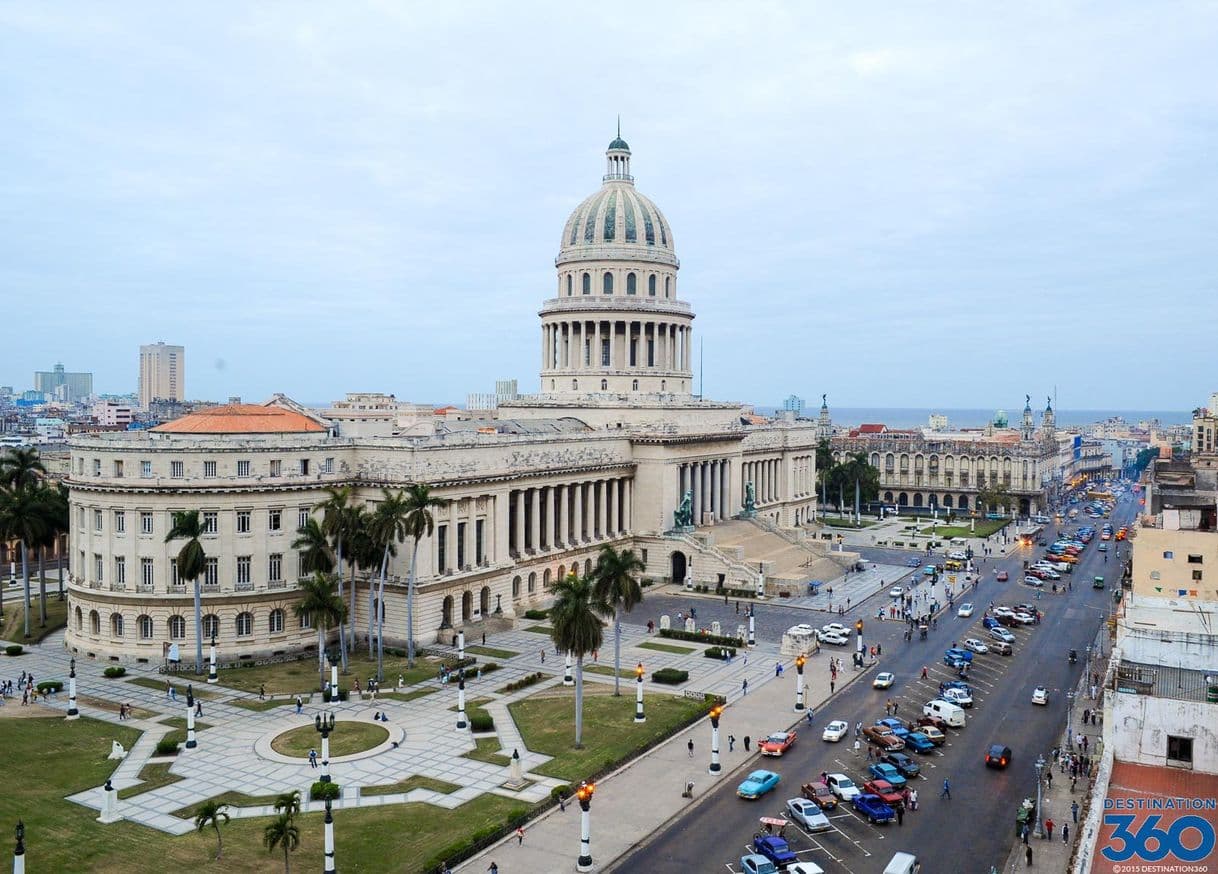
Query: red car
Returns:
{"type": "Point", "coordinates": [777, 743]}
{"type": "Point", "coordinates": [888, 793]}
{"type": "Point", "coordinates": [1002, 576]}
{"type": "Point", "coordinates": [818, 792]}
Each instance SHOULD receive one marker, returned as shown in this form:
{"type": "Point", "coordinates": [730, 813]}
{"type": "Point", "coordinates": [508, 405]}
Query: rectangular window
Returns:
{"type": "Point", "coordinates": [243, 569]}
{"type": "Point", "coordinates": [302, 517]}
{"type": "Point", "coordinates": [479, 545]}
{"type": "Point", "coordinates": [145, 522]}
{"type": "Point", "coordinates": [1168, 554]}
{"type": "Point", "coordinates": [274, 567]}
{"type": "Point", "coordinates": [98, 567]}
{"type": "Point", "coordinates": [1197, 576]}
{"type": "Point", "coordinates": [1194, 559]}
{"type": "Point", "coordinates": [80, 466]}
{"type": "Point", "coordinates": [118, 469]}
{"type": "Point", "coordinates": [651, 353]}
{"type": "Point", "coordinates": [97, 467]}
{"type": "Point", "coordinates": [306, 620]}
{"type": "Point", "coordinates": [211, 522]}
{"type": "Point", "coordinates": [120, 522]}
{"type": "Point", "coordinates": [97, 520]}
{"type": "Point", "coordinates": [80, 517]}
{"type": "Point", "coordinates": [209, 469]}
{"type": "Point", "coordinates": [146, 469]}
{"type": "Point", "coordinates": [120, 569]}
{"type": "Point", "coordinates": [328, 465]}
{"type": "Point", "coordinates": [441, 548]}
{"type": "Point", "coordinates": [147, 574]}
{"type": "Point", "coordinates": [274, 520]}
{"type": "Point", "coordinates": [243, 521]}
{"type": "Point", "coordinates": [1180, 750]}
{"type": "Point", "coordinates": [276, 467]}
{"type": "Point", "coordinates": [304, 467]}
{"type": "Point", "coordinates": [173, 574]}
{"type": "Point", "coordinates": [177, 469]}
{"type": "Point", "coordinates": [460, 544]}
{"type": "Point", "coordinates": [211, 572]}
{"type": "Point", "coordinates": [243, 468]}
{"type": "Point", "coordinates": [300, 566]}
{"type": "Point", "coordinates": [643, 555]}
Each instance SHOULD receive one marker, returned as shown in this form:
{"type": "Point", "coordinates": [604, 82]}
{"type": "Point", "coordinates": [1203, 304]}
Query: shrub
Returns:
{"type": "Point", "coordinates": [669, 676]}
{"type": "Point", "coordinates": [320, 791]}
{"type": "Point", "coordinates": [647, 583]}
{"type": "Point", "coordinates": [699, 637]}
{"type": "Point", "coordinates": [340, 695]}
{"type": "Point", "coordinates": [524, 682]}
{"type": "Point", "coordinates": [14, 649]}
{"type": "Point", "coordinates": [719, 652]}
{"type": "Point", "coordinates": [560, 792]}
{"type": "Point", "coordinates": [536, 614]}
{"type": "Point", "coordinates": [50, 686]}
{"type": "Point", "coordinates": [114, 672]}
{"type": "Point", "coordinates": [518, 816]}
{"type": "Point", "coordinates": [167, 746]}
{"type": "Point", "coordinates": [489, 666]}
{"type": "Point", "coordinates": [481, 722]}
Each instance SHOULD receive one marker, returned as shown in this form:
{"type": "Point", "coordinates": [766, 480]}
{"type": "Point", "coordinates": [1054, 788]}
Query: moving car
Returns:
{"type": "Point", "coordinates": [887, 771]}
{"type": "Point", "coordinates": [1001, 576]}
{"type": "Point", "coordinates": [888, 793]}
{"type": "Point", "coordinates": [808, 814]}
{"type": "Point", "coordinates": [836, 638]}
{"type": "Point", "coordinates": [883, 737]}
{"type": "Point", "coordinates": [1000, 633]}
{"type": "Point", "coordinates": [883, 680]}
{"type": "Point", "coordinates": [1040, 695]}
{"type": "Point", "coordinates": [975, 645]}
{"type": "Point", "coordinates": [902, 863]}
{"type": "Point", "coordinates": [896, 592]}
{"type": "Point", "coordinates": [1030, 580]}
{"type": "Point", "coordinates": [819, 794]}
{"type": "Point", "coordinates": [754, 863]}
{"type": "Point", "coordinates": [777, 743]}
{"type": "Point", "coordinates": [835, 731]}
{"type": "Point", "coordinates": [774, 848]}
{"type": "Point", "coordinates": [874, 809]}
{"type": "Point", "coordinates": [903, 763]}
{"type": "Point", "coordinates": [919, 742]}
{"type": "Point", "coordinates": [836, 627]}
{"type": "Point", "coordinates": [997, 756]}
{"type": "Point", "coordinates": [964, 610]}
{"type": "Point", "coordinates": [757, 784]}
{"type": "Point", "coordinates": [842, 786]}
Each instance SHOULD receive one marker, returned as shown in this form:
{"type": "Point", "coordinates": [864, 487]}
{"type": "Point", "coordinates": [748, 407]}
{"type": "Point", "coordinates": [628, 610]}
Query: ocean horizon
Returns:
{"type": "Point", "coordinates": [918, 417]}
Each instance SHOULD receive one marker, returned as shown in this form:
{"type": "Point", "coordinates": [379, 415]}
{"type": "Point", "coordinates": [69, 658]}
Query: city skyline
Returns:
{"type": "Point", "coordinates": [846, 206]}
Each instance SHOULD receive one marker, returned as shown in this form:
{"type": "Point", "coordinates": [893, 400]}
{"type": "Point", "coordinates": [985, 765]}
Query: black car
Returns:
{"type": "Point", "coordinates": [903, 763]}
{"type": "Point", "coordinates": [997, 756]}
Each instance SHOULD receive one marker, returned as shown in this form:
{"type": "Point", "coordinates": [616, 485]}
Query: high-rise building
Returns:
{"type": "Point", "coordinates": [793, 404]}
{"type": "Point", "coordinates": [162, 373]}
{"type": "Point", "coordinates": [61, 385]}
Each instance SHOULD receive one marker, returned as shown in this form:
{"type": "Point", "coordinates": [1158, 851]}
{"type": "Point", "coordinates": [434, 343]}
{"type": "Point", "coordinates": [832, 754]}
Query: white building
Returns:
{"type": "Point", "coordinates": [162, 373]}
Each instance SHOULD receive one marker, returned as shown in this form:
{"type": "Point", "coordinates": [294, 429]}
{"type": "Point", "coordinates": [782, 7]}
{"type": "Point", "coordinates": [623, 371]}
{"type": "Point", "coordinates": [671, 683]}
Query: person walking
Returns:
{"type": "Point", "coordinates": [519, 835]}
{"type": "Point", "coordinates": [857, 744]}
{"type": "Point", "coordinates": [1049, 778]}
{"type": "Point", "coordinates": [493, 868]}
{"type": "Point", "coordinates": [262, 693]}
{"type": "Point", "coordinates": [1065, 833]}
{"type": "Point", "coordinates": [1074, 811]}
{"type": "Point", "coordinates": [198, 707]}
{"type": "Point", "coordinates": [312, 758]}
{"type": "Point", "coordinates": [299, 705]}
{"type": "Point", "coordinates": [1049, 828]}
{"type": "Point", "coordinates": [913, 799]}
{"type": "Point", "coordinates": [731, 743]}
{"type": "Point", "coordinates": [900, 814]}
{"type": "Point", "coordinates": [744, 685]}
{"type": "Point", "coordinates": [947, 790]}
{"type": "Point", "coordinates": [810, 717]}
{"type": "Point", "coordinates": [746, 743]}
{"type": "Point", "coordinates": [690, 746]}
{"type": "Point", "coordinates": [832, 684]}
{"type": "Point", "coordinates": [924, 672]}
{"type": "Point", "coordinates": [1027, 853]}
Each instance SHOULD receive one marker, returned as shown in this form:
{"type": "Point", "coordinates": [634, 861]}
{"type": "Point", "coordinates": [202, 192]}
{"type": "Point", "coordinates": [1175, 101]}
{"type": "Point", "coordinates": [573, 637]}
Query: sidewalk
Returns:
{"type": "Point", "coordinates": [634, 803]}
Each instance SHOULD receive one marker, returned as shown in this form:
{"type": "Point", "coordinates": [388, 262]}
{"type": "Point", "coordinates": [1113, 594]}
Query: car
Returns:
{"type": "Point", "coordinates": [886, 771]}
{"type": "Point", "coordinates": [842, 786]}
{"type": "Point", "coordinates": [774, 848]}
{"type": "Point", "coordinates": [955, 684]}
{"type": "Point", "coordinates": [757, 784]}
{"type": "Point", "coordinates": [991, 623]}
{"type": "Point", "coordinates": [874, 809]}
{"type": "Point", "coordinates": [919, 742]}
{"type": "Point", "coordinates": [913, 561]}
{"type": "Point", "coordinates": [835, 731]}
{"type": "Point", "coordinates": [965, 610]}
{"type": "Point", "coordinates": [1000, 633]}
{"type": "Point", "coordinates": [883, 737]}
{"type": "Point", "coordinates": [805, 868]}
{"type": "Point", "coordinates": [1002, 576]}
{"type": "Point", "coordinates": [930, 570]}
{"type": "Point", "coordinates": [903, 763]}
{"type": "Point", "coordinates": [1030, 609]}
{"type": "Point", "coordinates": [1025, 618]}
{"type": "Point", "coordinates": [936, 722]}
{"type": "Point", "coordinates": [777, 743]}
{"type": "Point", "coordinates": [897, 725]}
{"type": "Point", "coordinates": [1030, 580]}
{"type": "Point", "coordinates": [933, 734]}
{"type": "Point", "coordinates": [958, 696]}
{"type": "Point", "coordinates": [997, 756]}
{"type": "Point", "coordinates": [808, 815]}
{"type": "Point", "coordinates": [1008, 620]}
{"type": "Point", "coordinates": [1003, 610]}
{"type": "Point", "coordinates": [896, 592]}
{"type": "Point", "coordinates": [958, 555]}
{"type": "Point", "coordinates": [884, 680]}
{"type": "Point", "coordinates": [974, 645]}
{"type": "Point", "coordinates": [888, 793]}
{"type": "Point", "coordinates": [1049, 574]}
{"type": "Point", "coordinates": [1040, 695]}
{"type": "Point", "coordinates": [1103, 547]}
{"type": "Point", "coordinates": [754, 863]}
{"type": "Point", "coordinates": [835, 627]}
{"type": "Point", "coordinates": [832, 637]}
{"type": "Point", "coordinates": [820, 794]}
{"type": "Point", "coordinates": [954, 657]}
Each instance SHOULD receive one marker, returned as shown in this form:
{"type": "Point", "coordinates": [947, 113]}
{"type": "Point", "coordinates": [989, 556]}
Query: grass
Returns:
{"type": "Point", "coordinates": [835, 522]}
{"type": "Point", "coordinates": [112, 707]}
{"type": "Point", "coordinates": [418, 781]}
{"type": "Point", "coordinates": [347, 739]}
{"type": "Point", "coordinates": [179, 684]}
{"type": "Point", "coordinates": [153, 777]}
{"type": "Point", "coordinates": [301, 677]}
{"type": "Point", "coordinates": [610, 732]}
{"type": "Point", "coordinates": [666, 647]}
{"type": "Point", "coordinates": [46, 759]}
{"type": "Point", "coordinates": [985, 527]}
{"type": "Point", "coordinates": [539, 629]}
{"type": "Point", "coordinates": [608, 671]}
{"type": "Point", "coordinates": [487, 750]}
{"type": "Point", "coordinates": [234, 799]}
{"type": "Point", "coordinates": [12, 627]}
{"type": "Point", "coordinates": [268, 704]}
{"type": "Point", "coordinates": [406, 696]}
{"type": "Point", "coordinates": [491, 652]}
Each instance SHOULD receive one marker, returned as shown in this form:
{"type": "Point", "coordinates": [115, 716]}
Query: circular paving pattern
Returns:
{"type": "Point", "coordinates": [347, 739]}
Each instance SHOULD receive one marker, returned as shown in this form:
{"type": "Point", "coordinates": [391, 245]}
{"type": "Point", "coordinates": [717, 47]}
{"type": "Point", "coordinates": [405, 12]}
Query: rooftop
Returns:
{"type": "Point", "coordinates": [242, 419]}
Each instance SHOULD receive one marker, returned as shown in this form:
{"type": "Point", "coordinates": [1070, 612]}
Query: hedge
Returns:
{"type": "Point", "coordinates": [321, 790]}
{"type": "Point", "coordinates": [536, 614]}
{"type": "Point", "coordinates": [481, 722]}
{"type": "Point", "coordinates": [167, 747]}
{"type": "Point", "coordinates": [15, 649]}
{"type": "Point", "coordinates": [669, 676]}
{"type": "Point", "coordinates": [560, 792]}
{"type": "Point", "coordinates": [49, 686]}
{"type": "Point", "coordinates": [718, 652]}
{"type": "Point", "coordinates": [699, 637]}
{"type": "Point", "coordinates": [114, 672]}
{"type": "Point", "coordinates": [524, 682]}
{"type": "Point", "coordinates": [331, 695]}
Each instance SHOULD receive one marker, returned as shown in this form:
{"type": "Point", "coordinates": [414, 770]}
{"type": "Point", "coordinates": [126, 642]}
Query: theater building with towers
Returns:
{"type": "Point", "coordinates": [613, 449]}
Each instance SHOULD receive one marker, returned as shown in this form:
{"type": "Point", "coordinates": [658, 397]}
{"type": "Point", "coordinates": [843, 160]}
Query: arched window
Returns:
{"type": "Point", "coordinates": [604, 385]}
{"type": "Point", "coordinates": [94, 622]}
{"type": "Point", "coordinates": [663, 385]}
{"type": "Point", "coordinates": [116, 624]}
{"type": "Point", "coordinates": [245, 624]}
{"type": "Point", "coordinates": [306, 620]}
{"type": "Point", "coordinates": [667, 285]}
{"type": "Point", "coordinates": [545, 579]}
{"type": "Point", "coordinates": [145, 624]}
{"type": "Point", "coordinates": [587, 283]}
{"type": "Point", "coordinates": [607, 282]}
{"type": "Point", "coordinates": [963, 502]}
{"type": "Point", "coordinates": [211, 626]}
{"type": "Point", "coordinates": [532, 582]}
{"type": "Point", "coordinates": [570, 284]}
{"type": "Point", "coordinates": [947, 501]}
{"type": "Point", "coordinates": [516, 587]}
{"type": "Point", "coordinates": [634, 386]}
{"type": "Point", "coordinates": [575, 385]}
{"type": "Point", "coordinates": [275, 621]}
{"type": "Point", "coordinates": [80, 620]}
{"type": "Point", "coordinates": [177, 628]}
{"type": "Point", "coordinates": [587, 567]}
{"type": "Point", "coordinates": [651, 285]}
{"type": "Point", "coordinates": [631, 284]}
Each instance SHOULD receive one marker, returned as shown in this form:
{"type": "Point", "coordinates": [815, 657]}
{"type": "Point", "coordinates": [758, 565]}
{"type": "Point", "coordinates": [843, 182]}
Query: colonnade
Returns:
{"type": "Point", "coordinates": [566, 515]}
{"type": "Point", "coordinates": [615, 344]}
{"type": "Point", "coordinates": [710, 486]}
{"type": "Point", "coordinates": [803, 468]}
{"type": "Point", "coordinates": [464, 536]}
{"type": "Point", "coordinates": [766, 477]}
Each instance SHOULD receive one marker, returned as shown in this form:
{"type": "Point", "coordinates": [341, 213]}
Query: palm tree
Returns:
{"type": "Point", "coordinates": [191, 562]}
{"type": "Point", "coordinates": [211, 813]}
{"type": "Point", "coordinates": [59, 517]}
{"type": "Point", "coordinates": [288, 802]}
{"type": "Point", "coordinates": [577, 628]}
{"type": "Point", "coordinates": [336, 519]}
{"type": "Point", "coordinates": [22, 519]}
{"type": "Point", "coordinates": [21, 467]}
{"type": "Point", "coordinates": [419, 524]}
{"type": "Point", "coordinates": [320, 602]}
{"type": "Point", "coordinates": [364, 552]}
{"type": "Point", "coordinates": [282, 833]}
{"type": "Point", "coordinates": [615, 585]}
{"type": "Point", "coordinates": [47, 498]}
{"type": "Point", "coordinates": [388, 526]}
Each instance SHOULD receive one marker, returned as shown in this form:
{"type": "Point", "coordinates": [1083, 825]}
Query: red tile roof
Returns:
{"type": "Point", "coordinates": [242, 419]}
{"type": "Point", "coordinates": [871, 429]}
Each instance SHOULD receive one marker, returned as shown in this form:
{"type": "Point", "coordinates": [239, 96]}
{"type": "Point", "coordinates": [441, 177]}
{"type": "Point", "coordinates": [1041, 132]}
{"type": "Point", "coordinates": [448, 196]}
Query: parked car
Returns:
{"type": "Point", "coordinates": [974, 645]}
{"type": "Point", "coordinates": [774, 848]}
{"type": "Point", "coordinates": [755, 863]}
{"type": "Point", "coordinates": [955, 657]}
{"type": "Point", "coordinates": [894, 723]}
{"type": "Point", "coordinates": [1000, 633]}
{"type": "Point", "coordinates": [757, 784]}
{"type": "Point", "coordinates": [835, 731]}
{"type": "Point", "coordinates": [820, 794]}
{"type": "Point", "coordinates": [1040, 695]}
{"type": "Point", "coordinates": [884, 680]}
{"type": "Point", "coordinates": [957, 696]}
{"type": "Point", "coordinates": [919, 742]}
{"type": "Point", "coordinates": [933, 733]}
{"type": "Point", "coordinates": [835, 638]}
{"type": "Point", "coordinates": [777, 743]}
{"type": "Point", "coordinates": [1030, 580]}
{"type": "Point", "coordinates": [883, 737]}
{"type": "Point", "coordinates": [835, 627]}
{"type": "Point", "coordinates": [808, 814]}
{"type": "Point", "coordinates": [886, 771]}
{"type": "Point", "coordinates": [991, 623]}
{"type": "Point", "coordinates": [903, 763]}
{"type": "Point", "coordinates": [1025, 619]}
{"type": "Point", "coordinates": [888, 793]}
{"type": "Point", "coordinates": [842, 786]}
{"type": "Point", "coordinates": [874, 809]}
{"type": "Point", "coordinates": [997, 756]}
{"type": "Point", "coordinates": [927, 720]}
{"type": "Point", "coordinates": [965, 610]}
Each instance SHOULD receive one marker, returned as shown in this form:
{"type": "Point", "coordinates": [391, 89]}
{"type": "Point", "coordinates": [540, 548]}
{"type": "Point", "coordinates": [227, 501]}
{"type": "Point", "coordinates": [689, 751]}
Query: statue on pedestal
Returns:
{"type": "Point", "coordinates": [750, 499]}
{"type": "Point", "coordinates": [683, 516]}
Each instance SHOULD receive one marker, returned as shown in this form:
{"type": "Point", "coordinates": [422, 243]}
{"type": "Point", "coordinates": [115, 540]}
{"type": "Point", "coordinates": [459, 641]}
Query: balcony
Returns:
{"type": "Point", "coordinates": [1165, 681]}
{"type": "Point", "coordinates": [118, 587]}
{"type": "Point", "coordinates": [243, 586]}
{"type": "Point", "coordinates": [277, 584]}
{"type": "Point", "coordinates": [175, 589]}
{"type": "Point", "coordinates": [210, 587]}
{"type": "Point", "coordinates": [148, 588]}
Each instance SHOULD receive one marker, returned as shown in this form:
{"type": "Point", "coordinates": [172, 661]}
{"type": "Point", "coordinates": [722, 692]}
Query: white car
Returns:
{"type": "Point", "coordinates": [975, 645]}
{"type": "Point", "coordinates": [896, 592]}
{"type": "Point", "coordinates": [834, 637]}
{"type": "Point", "coordinates": [1035, 582]}
{"type": "Point", "coordinates": [958, 696]}
{"type": "Point", "coordinates": [1025, 618]}
{"type": "Point", "coordinates": [843, 787]}
{"type": "Point", "coordinates": [805, 868]}
{"type": "Point", "coordinates": [957, 555]}
{"type": "Point", "coordinates": [835, 731]}
{"type": "Point", "coordinates": [808, 814]}
{"type": "Point", "coordinates": [835, 626]}
{"type": "Point", "coordinates": [1040, 695]}
{"type": "Point", "coordinates": [884, 680]}
{"type": "Point", "coordinates": [965, 610]}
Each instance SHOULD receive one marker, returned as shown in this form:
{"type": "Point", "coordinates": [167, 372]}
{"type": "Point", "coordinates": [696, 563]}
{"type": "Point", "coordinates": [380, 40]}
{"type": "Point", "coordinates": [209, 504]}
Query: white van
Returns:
{"type": "Point", "coordinates": [952, 714]}
{"type": "Point", "coordinates": [903, 863]}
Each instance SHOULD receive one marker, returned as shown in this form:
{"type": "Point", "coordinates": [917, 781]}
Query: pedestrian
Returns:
{"type": "Point", "coordinates": [947, 790]}
{"type": "Point", "coordinates": [731, 743]}
{"type": "Point", "coordinates": [1049, 827]}
{"type": "Point", "coordinates": [778, 669]}
{"type": "Point", "coordinates": [312, 758]}
{"type": "Point", "coordinates": [519, 835]}
{"type": "Point", "coordinates": [562, 803]}
{"type": "Point", "coordinates": [543, 656]}
{"type": "Point", "coordinates": [832, 683]}
{"type": "Point", "coordinates": [858, 729]}
{"type": "Point", "coordinates": [1073, 783]}
{"type": "Point", "coordinates": [913, 799]}
{"type": "Point", "coordinates": [900, 815]}
{"type": "Point", "coordinates": [262, 693]}
{"type": "Point", "coordinates": [924, 672]}
{"type": "Point", "coordinates": [1086, 743]}
{"type": "Point", "coordinates": [737, 607]}
{"type": "Point", "coordinates": [198, 707]}
{"type": "Point", "coordinates": [299, 705]}
{"type": "Point", "coordinates": [1086, 716]}
{"type": "Point", "coordinates": [869, 752]}
{"type": "Point", "coordinates": [1065, 833]}
{"type": "Point", "coordinates": [493, 868]}
{"type": "Point", "coordinates": [1049, 778]}
{"type": "Point", "coordinates": [1023, 833]}
{"type": "Point", "coordinates": [690, 745]}
{"type": "Point", "coordinates": [744, 685]}
{"type": "Point", "coordinates": [879, 649]}
{"type": "Point", "coordinates": [1027, 852]}
{"type": "Point", "coordinates": [857, 744]}
{"type": "Point", "coordinates": [746, 743]}
{"type": "Point", "coordinates": [1074, 811]}
{"type": "Point", "coordinates": [484, 638]}
{"type": "Point", "coordinates": [809, 715]}
{"type": "Point", "coordinates": [173, 693]}
{"type": "Point", "coordinates": [895, 705]}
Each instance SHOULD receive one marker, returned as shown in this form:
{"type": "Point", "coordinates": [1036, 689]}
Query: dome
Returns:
{"type": "Point", "coordinates": [619, 143]}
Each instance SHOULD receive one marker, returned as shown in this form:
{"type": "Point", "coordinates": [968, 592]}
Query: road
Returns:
{"type": "Point", "coordinates": [976, 827]}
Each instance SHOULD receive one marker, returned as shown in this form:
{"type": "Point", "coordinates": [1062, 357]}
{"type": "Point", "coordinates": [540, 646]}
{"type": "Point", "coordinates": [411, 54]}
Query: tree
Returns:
{"type": "Point", "coordinates": [389, 528]}
{"type": "Point", "coordinates": [59, 516]}
{"type": "Point", "coordinates": [824, 465]}
{"type": "Point", "coordinates": [363, 552]}
{"type": "Point", "coordinates": [859, 474]}
{"type": "Point", "coordinates": [22, 518]}
{"type": "Point", "coordinates": [615, 584]}
{"type": "Point", "coordinates": [21, 467]}
{"type": "Point", "coordinates": [419, 524]}
{"type": "Point", "coordinates": [282, 833]}
{"type": "Point", "coordinates": [993, 495]}
{"type": "Point", "coordinates": [314, 548]}
{"type": "Point", "coordinates": [47, 497]}
{"type": "Point", "coordinates": [320, 602]}
{"type": "Point", "coordinates": [211, 813]}
{"type": "Point", "coordinates": [191, 562]}
{"type": "Point", "coordinates": [576, 628]}
{"type": "Point", "coordinates": [288, 802]}
{"type": "Point", "coordinates": [335, 524]}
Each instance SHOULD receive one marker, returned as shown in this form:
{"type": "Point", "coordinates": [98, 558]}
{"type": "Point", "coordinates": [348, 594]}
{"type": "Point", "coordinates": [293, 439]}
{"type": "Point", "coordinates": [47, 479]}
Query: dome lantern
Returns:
{"type": "Point", "coordinates": [617, 158]}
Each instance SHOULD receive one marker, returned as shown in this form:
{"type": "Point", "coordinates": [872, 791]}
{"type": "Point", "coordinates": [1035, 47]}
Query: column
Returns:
{"type": "Point", "coordinates": [499, 526]}
{"type": "Point", "coordinates": [577, 532]}
{"type": "Point", "coordinates": [551, 522]}
{"type": "Point", "coordinates": [518, 527]}
{"type": "Point", "coordinates": [706, 489]}
{"type": "Point", "coordinates": [695, 475]}
{"type": "Point", "coordinates": [726, 508]}
{"type": "Point", "coordinates": [468, 547]}
{"type": "Point", "coordinates": [626, 506]}
{"type": "Point", "coordinates": [717, 489]}
{"type": "Point", "coordinates": [596, 344]}
{"type": "Point", "coordinates": [566, 345]}
{"type": "Point", "coordinates": [674, 345]}
{"type": "Point", "coordinates": [614, 527]}
{"type": "Point", "coordinates": [535, 519]}
{"type": "Point", "coordinates": [450, 551]}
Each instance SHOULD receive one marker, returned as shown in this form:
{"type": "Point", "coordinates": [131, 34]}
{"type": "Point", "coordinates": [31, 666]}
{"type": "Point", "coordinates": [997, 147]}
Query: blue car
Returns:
{"type": "Point", "coordinates": [918, 742]}
{"type": "Point", "coordinates": [874, 809]}
{"type": "Point", "coordinates": [906, 766]}
{"type": "Point", "coordinates": [955, 658]}
{"type": "Point", "coordinates": [991, 622]}
{"type": "Point", "coordinates": [913, 562]}
{"type": "Point", "coordinates": [757, 784]}
{"type": "Point", "coordinates": [889, 772]}
{"type": "Point", "coordinates": [774, 848]}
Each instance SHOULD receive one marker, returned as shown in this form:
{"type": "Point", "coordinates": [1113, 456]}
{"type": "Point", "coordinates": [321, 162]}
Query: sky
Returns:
{"type": "Point", "coordinates": [914, 204]}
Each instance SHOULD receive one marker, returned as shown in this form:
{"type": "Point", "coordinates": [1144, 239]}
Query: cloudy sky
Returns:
{"type": "Point", "coordinates": [900, 204]}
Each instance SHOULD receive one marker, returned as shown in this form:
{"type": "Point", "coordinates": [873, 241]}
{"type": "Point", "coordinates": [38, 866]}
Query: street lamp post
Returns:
{"type": "Point", "coordinates": [584, 795]}
{"type": "Point", "coordinates": [1040, 819]}
{"type": "Point", "coordinates": [858, 628]}
{"type": "Point", "coordinates": [19, 852]}
{"type": "Point", "coordinates": [460, 646]}
{"type": "Point", "coordinates": [212, 676]}
{"type": "Point", "coordinates": [752, 629]}
{"type": "Point", "coordinates": [715, 767]}
{"type": "Point", "coordinates": [191, 742]}
{"type": "Point", "coordinates": [333, 682]}
{"type": "Point", "coordinates": [799, 682]}
{"type": "Point", "coordinates": [324, 723]}
{"type": "Point", "coordinates": [567, 679]}
{"type": "Point", "coordinates": [329, 869]}
{"type": "Point", "coordinates": [638, 694]}
{"type": "Point", "coordinates": [73, 713]}
{"type": "Point", "coordinates": [462, 722]}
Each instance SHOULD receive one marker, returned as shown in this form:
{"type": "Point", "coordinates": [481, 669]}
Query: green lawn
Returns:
{"type": "Point", "coordinates": [418, 781]}
{"type": "Point", "coordinates": [624, 673]}
{"type": "Point", "coordinates": [547, 725]}
{"type": "Point", "coordinates": [268, 704]}
{"type": "Point", "coordinates": [12, 626]}
{"type": "Point", "coordinates": [539, 629]}
{"type": "Point", "coordinates": [406, 696]}
{"type": "Point", "coordinates": [179, 728]}
{"type": "Point", "coordinates": [301, 677]}
{"type": "Point", "coordinates": [234, 799]}
{"type": "Point", "coordinates": [836, 522]}
{"type": "Point", "coordinates": [487, 750]}
{"type": "Point", "coordinates": [154, 776]}
{"type": "Point", "coordinates": [667, 647]}
{"type": "Point", "coordinates": [985, 527]}
{"type": "Point", "coordinates": [347, 739]}
{"type": "Point", "coordinates": [491, 652]}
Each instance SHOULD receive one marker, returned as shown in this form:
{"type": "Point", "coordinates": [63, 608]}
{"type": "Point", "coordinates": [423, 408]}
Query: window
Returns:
{"type": "Point", "coordinates": [569, 285]}
{"type": "Point", "coordinates": [97, 520]}
{"type": "Point", "coordinates": [116, 624]}
{"type": "Point", "coordinates": [97, 467]}
{"type": "Point", "coordinates": [276, 467]}
{"type": "Point", "coordinates": [118, 469]}
{"type": "Point", "coordinates": [243, 570]}
{"type": "Point", "coordinates": [442, 547]}
{"type": "Point", "coordinates": [147, 571]}
{"type": "Point", "coordinates": [604, 385]}
{"type": "Point", "coordinates": [245, 624]}
{"type": "Point", "coordinates": [1169, 554]}
{"type": "Point", "coordinates": [80, 469]}
{"type": "Point", "coordinates": [1197, 576]}
{"type": "Point", "coordinates": [1179, 750]}
{"type": "Point", "coordinates": [146, 469]}
{"type": "Point", "coordinates": [587, 283]}
{"type": "Point", "coordinates": [304, 467]}
{"type": "Point", "coordinates": [211, 522]}
{"type": "Point", "coordinates": [243, 468]}
{"type": "Point", "coordinates": [177, 470]}
{"type": "Point", "coordinates": [631, 284]}
{"type": "Point", "coordinates": [274, 520]}
{"type": "Point", "coordinates": [120, 522]}
{"type": "Point", "coordinates": [328, 465]}
{"type": "Point", "coordinates": [1194, 559]}
{"type": "Point", "coordinates": [651, 285]}
{"type": "Point", "coordinates": [209, 469]}
{"type": "Point", "coordinates": [80, 517]}
{"type": "Point", "coordinates": [634, 385]}
{"type": "Point", "coordinates": [607, 283]}
{"type": "Point", "coordinates": [461, 529]}
{"type": "Point", "coordinates": [177, 628]}
{"type": "Point", "coordinates": [243, 521]}
{"type": "Point", "coordinates": [667, 285]}
{"type": "Point", "coordinates": [275, 622]}
{"type": "Point", "coordinates": [145, 522]}
{"type": "Point", "coordinates": [211, 572]}
{"type": "Point", "coordinates": [479, 545]}
{"type": "Point", "coordinates": [301, 564]}
{"type": "Point", "coordinates": [120, 569]}
{"type": "Point", "coordinates": [173, 573]}
{"type": "Point", "coordinates": [274, 567]}
{"type": "Point", "coordinates": [1155, 575]}
{"type": "Point", "coordinates": [302, 517]}
{"type": "Point", "coordinates": [306, 621]}
{"type": "Point", "coordinates": [145, 626]}
{"type": "Point", "coordinates": [98, 567]}
{"type": "Point", "coordinates": [211, 625]}
{"type": "Point", "coordinates": [94, 622]}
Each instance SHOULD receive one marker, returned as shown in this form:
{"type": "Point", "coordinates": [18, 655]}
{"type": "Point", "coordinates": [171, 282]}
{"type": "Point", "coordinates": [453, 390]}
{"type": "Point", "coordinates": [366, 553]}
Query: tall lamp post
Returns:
{"type": "Point", "coordinates": [329, 869]}
{"type": "Point", "coordinates": [799, 682]}
{"type": "Point", "coordinates": [73, 713]}
{"type": "Point", "coordinates": [461, 720]}
{"type": "Point", "coordinates": [858, 628]}
{"type": "Point", "coordinates": [715, 713]}
{"type": "Point", "coordinates": [584, 795]}
{"type": "Point", "coordinates": [212, 676]}
{"type": "Point", "coordinates": [324, 723]}
{"type": "Point", "coordinates": [1040, 819]}
{"type": "Point", "coordinates": [191, 742]}
{"type": "Point", "coordinates": [752, 630]}
{"type": "Point", "coordinates": [19, 852]}
{"type": "Point", "coordinates": [638, 694]}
